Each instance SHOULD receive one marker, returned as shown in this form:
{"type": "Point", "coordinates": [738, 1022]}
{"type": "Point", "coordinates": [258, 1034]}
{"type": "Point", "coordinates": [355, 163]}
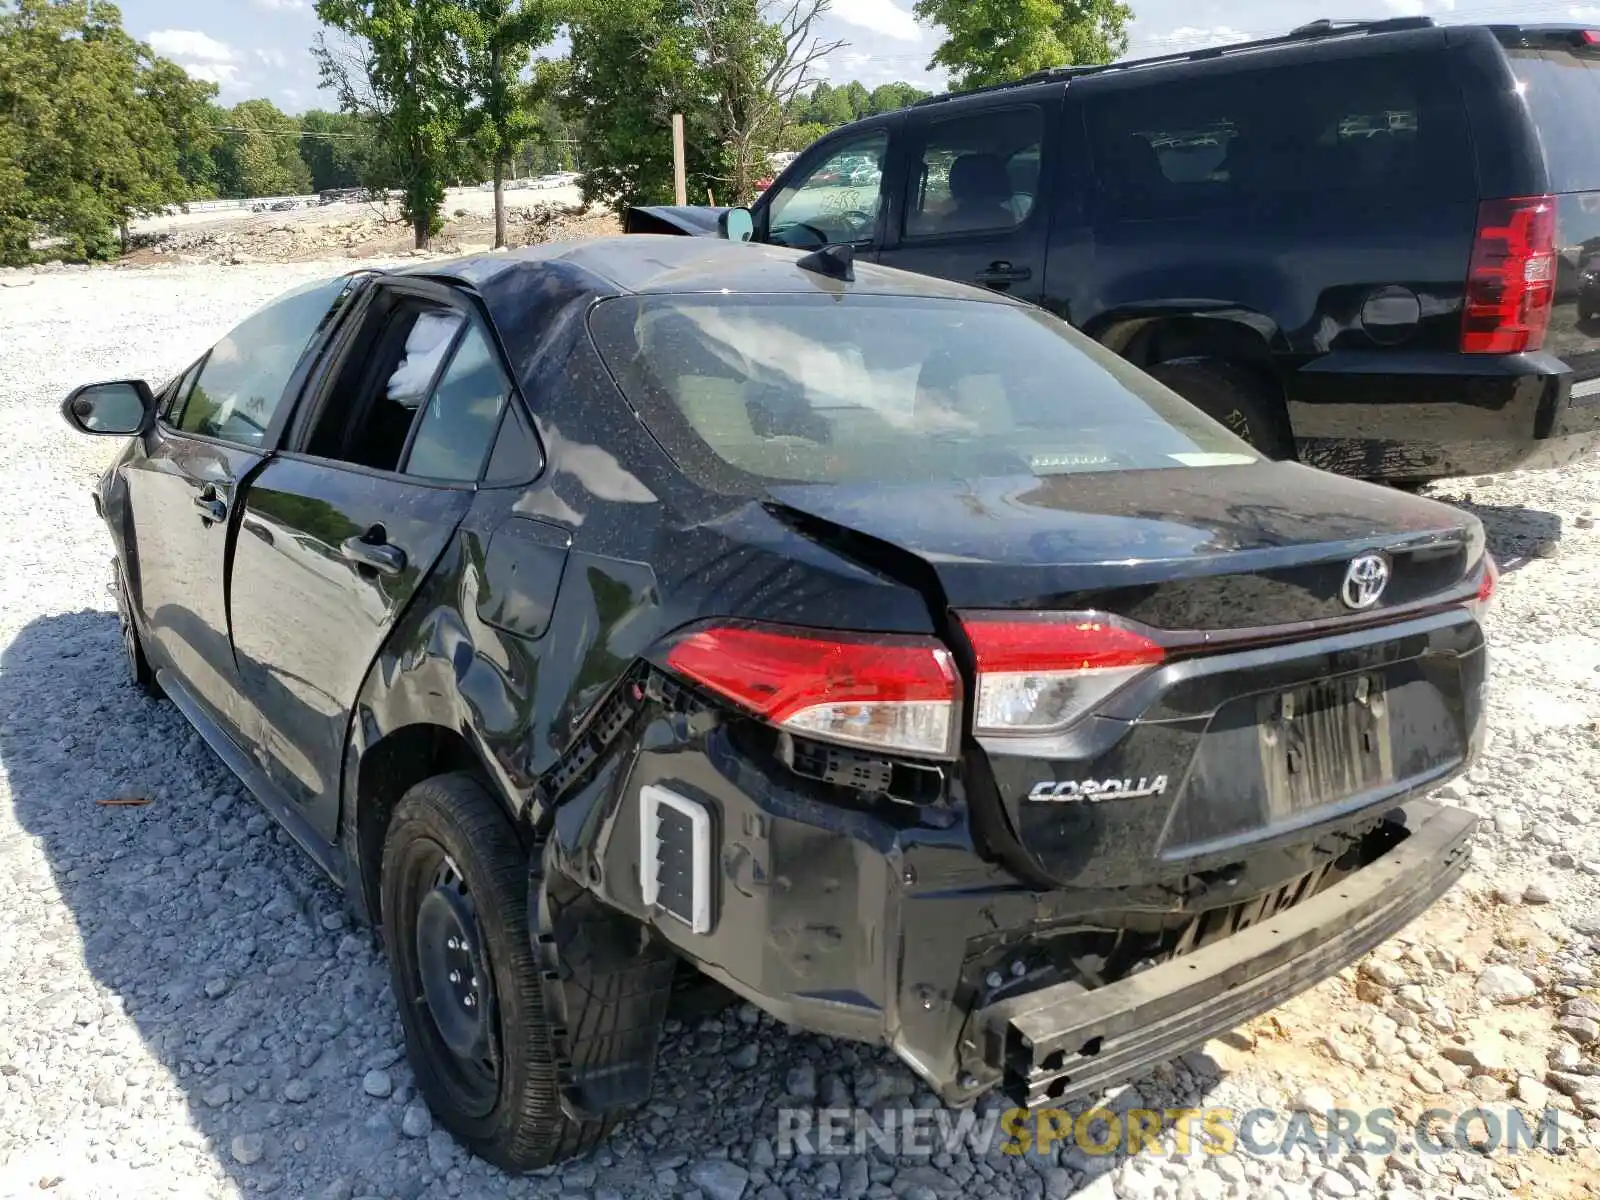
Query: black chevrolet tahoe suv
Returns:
{"type": "Point", "coordinates": [1371, 245]}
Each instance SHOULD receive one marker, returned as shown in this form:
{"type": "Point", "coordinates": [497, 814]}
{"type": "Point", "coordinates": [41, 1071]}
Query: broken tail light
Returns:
{"type": "Point", "coordinates": [1488, 581]}
{"type": "Point", "coordinates": [1041, 672]}
{"type": "Point", "coordinates": [889, 692]}
{"type": "Point", "coordinates": [1511, 280]}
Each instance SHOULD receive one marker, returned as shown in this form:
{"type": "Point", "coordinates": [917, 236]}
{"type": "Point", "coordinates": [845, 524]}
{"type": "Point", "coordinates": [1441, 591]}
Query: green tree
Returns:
{"type": "Point", "coordinates": [892, 97]}
{"type": "Point", "coordinates": [501, 38]}
{"type": "Point", "coordinates": [405, 68]}
{"type": "Point", "coordinates": [86, 149]}
{"type": "Point", "coordinates": [186, 109]}
{"type": "Point", "coordinates": [260, 152]}
{"type": "Point", "coordinates": [733, 68]}
{"type": "Point", "coordinates": [338, 149]}
{"type": "Point", "coordinates": [996, 41]}
{"type": "Point", "coordinates": [632, 65]}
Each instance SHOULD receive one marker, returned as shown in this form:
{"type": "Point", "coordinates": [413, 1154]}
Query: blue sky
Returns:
{"type": "Point", "coordinates": [261, 47]}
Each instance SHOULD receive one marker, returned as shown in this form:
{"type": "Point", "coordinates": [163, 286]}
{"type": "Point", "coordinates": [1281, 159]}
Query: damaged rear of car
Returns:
{"type": "Point", "coordinates": [1129, 745]}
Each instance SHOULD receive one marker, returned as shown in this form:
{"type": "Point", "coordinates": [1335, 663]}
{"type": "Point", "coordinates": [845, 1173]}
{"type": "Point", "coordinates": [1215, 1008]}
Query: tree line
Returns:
{"type": "Point", "coordinates": [96, 129]}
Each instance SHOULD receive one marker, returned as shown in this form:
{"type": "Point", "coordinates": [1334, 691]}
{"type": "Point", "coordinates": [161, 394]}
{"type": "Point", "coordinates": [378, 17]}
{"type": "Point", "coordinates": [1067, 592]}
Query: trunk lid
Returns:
{"type": "Point", "coordinates": [1278, 712]}
{"type": "Point", "coordinates": [1190, 549]}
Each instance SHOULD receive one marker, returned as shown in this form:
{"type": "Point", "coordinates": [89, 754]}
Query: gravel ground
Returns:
{"type": "Point", "coordinates": [184, 1012]}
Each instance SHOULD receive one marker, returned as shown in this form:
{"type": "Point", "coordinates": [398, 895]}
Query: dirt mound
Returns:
{"type": "Point", "coordinates": [358, 232]}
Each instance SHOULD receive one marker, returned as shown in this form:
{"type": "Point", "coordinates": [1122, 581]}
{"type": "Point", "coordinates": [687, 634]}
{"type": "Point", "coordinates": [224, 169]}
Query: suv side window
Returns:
{"type": "Point", "coordinates": [1337, 137]}
{"type": "Point", "coordinates": [838, 200]}
{"type": "Point", "coordinates": [242, 381]}
{"type": "Point", "coordinates": [977, 174]}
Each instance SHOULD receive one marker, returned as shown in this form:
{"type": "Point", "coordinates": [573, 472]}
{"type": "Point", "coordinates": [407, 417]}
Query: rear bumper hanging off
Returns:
{"type": "Point", "coordinates": [1063, 1043]}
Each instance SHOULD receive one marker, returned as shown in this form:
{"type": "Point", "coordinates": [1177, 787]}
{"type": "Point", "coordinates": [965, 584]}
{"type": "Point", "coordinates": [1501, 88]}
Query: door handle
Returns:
{"type": "Point", "coordinates": [1003, 272]}
{"type": "Point", "coordinates": [213, 508]}
{"type": "Point", "coordinates": [373, 550]}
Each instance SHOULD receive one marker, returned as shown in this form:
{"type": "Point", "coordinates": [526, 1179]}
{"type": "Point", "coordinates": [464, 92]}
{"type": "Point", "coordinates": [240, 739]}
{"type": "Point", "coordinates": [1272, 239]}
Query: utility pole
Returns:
{"type": "Point", "coordinates": [680, 183]}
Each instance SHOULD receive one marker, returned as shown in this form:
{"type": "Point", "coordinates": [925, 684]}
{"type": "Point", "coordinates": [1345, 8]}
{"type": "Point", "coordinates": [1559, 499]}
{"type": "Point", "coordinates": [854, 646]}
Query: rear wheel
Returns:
{"type": "Point", "coordinates": [1234, 396]}
{"type": "Point", "coordinates": [454, 894]}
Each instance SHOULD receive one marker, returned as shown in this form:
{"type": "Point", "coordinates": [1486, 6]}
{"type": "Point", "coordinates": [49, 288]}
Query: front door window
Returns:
{"type": "Point", "coordinates": [838, 200]}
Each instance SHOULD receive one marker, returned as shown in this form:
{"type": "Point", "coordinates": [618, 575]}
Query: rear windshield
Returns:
{"type": "Point", "coordinates": [1351, 135]}
{"type": "Point", "coordinates": [882, 389]}
{"type": "Point", "coordinates": [1562, 91]}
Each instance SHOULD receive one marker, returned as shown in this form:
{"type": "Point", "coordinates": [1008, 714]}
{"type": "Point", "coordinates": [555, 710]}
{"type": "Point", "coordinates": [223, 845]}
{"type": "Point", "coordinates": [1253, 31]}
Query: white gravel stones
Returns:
{"type": "Point", "coordinates": [1501, 984]}
{"type": "Point", "coordinates": [418, 1121]}
{"type": "Point", "coordinates": [184, 1010]}
{"type": "Point", "coordinates": [377, 1084]}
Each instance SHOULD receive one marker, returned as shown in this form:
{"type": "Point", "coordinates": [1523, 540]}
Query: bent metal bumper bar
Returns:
{"type": "Point", "coordinates": [1064, 1043]}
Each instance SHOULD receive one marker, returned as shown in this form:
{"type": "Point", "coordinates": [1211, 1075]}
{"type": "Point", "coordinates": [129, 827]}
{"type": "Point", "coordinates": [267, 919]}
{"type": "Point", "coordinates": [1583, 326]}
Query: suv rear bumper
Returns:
{"type": "Point", "coordinates": [1064, 1043]}
{"type": "Point", "coordinates": [1428, 416]}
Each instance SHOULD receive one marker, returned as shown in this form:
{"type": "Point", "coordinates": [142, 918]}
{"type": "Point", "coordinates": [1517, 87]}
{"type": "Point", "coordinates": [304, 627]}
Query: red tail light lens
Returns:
{"type": "Point", "coordinates": [1511, 281]}
{"type": "Point", "coordinates": [1487, 583]}
{"type": "Point", "coordinates": [886, 692]}
{"type": "Point", "coordinates": [1041, 672]}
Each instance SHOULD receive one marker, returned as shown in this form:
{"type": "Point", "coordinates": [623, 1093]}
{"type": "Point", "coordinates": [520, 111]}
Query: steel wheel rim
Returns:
{"type": "Point", "coordinates": [455, 995]}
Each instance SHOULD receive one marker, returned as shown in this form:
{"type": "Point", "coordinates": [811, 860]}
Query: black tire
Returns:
{"type": "Point", "coordinates": [1234, 396]}
{"type": "Point", "coordinates": [451, 845]}
{"type": "Point", "coordinates": [140, 673]}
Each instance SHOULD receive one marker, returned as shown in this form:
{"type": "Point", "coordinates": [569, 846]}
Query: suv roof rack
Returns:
{"type": "Point", "coordinates": [1327, 27]}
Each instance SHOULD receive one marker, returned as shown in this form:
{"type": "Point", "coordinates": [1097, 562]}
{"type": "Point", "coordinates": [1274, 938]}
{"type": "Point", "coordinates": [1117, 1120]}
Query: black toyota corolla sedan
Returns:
{"type": "Point", "coordinates": [607, 614]}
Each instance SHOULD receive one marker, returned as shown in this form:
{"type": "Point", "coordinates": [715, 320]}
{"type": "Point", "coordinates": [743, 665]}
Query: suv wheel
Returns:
{"type": "Point", "coordinates": [1233, 396]}
{"type": "Point", "coordinates": [454, 896]}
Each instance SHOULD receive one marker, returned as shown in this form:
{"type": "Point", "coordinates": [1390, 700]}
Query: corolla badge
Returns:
{"type": "Point", "coordinates": [1364, 580]}
{"type": "Point", "coordinates": [1048, 791]}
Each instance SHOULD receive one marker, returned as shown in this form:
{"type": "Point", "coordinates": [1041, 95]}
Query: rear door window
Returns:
{"type": "Point", "coordinates": [977, 174]}
{"type": "Point", "coordinates": [1562, 92]}
{"type": "Point", "coordinates": [1337, 137]}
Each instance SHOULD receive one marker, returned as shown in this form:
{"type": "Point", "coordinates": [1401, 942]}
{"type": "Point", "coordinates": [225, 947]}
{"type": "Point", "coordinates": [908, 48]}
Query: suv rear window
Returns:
{"type": "Point", "coordinates": [1352, 134]}
{"type": "Point", "coordinates": [1562, 91]}
{"type": "Point", "coordinates": [889, 389]}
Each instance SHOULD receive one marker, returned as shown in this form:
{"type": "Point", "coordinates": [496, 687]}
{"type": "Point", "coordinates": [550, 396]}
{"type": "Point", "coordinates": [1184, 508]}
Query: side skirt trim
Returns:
{"type": "Point", "coordinates": [270, 796]}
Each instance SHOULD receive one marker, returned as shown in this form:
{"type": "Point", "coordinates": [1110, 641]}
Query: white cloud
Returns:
{"type": "Point", "coordinates": [273, 58]}
{"type": "Point", "coordinates": [1419, 8]}
{"type": "Point", "coordinates": [1186, 37]}
{"type": "Point", "coordinates": [880, 16]}
{"type": "Point", "coordinates": [1587, 12]}
{"type": "Point", "coordinates": [199, 54]}
{"type": "Point", "coordinates": [191, 44]}
{"type": "Point", "coordinates": [284, 5]}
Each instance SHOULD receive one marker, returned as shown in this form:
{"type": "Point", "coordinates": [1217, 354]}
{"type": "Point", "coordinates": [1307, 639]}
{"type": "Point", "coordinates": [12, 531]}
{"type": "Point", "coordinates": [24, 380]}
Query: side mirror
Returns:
{"type": "Point", "coordinates": [737, 225]}
{"type": "Point", "coordinates": [121, 408]}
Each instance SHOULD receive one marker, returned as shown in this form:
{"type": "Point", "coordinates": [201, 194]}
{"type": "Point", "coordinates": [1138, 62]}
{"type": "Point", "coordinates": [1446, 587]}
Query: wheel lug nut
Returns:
{"type": "Point", "coordinates": [993, 979]}
{"type": "Point", "coordinates": [471, 1002]}
{"type": "Point", "coordinates": [455, 976]}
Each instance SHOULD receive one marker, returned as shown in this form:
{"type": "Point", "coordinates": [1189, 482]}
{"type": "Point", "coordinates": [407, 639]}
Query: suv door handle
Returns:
{"type": "Point", "coordinates": [1003, 272]}
{"type": "Point", "coordinates": [372, 549]}
{"type": "Point", "coordinates": [212, 506]}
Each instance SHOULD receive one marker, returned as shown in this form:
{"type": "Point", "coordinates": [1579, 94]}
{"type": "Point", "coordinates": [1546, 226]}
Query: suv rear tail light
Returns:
{"type": "Point", "coordinates": [1511, 281]}
{"type": "Point", "coordinates": [1040, 672]}
{"type": "Point", "coordinates": [889, 692]}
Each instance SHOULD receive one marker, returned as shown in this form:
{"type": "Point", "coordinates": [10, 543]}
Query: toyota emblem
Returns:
{"type": "Point", "coordinates": [1364, 580]}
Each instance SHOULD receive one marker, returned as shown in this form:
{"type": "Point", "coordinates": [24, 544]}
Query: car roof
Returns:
{"type": "Point", "coordinates": [642, 264]}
